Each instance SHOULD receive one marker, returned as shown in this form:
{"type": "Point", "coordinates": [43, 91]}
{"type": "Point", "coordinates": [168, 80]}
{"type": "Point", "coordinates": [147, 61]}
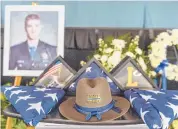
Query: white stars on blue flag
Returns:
{"type": "Point", "coordinates": [16, 92]}
{"type": "Point", "coordinates": [53, 96]}
{"type": "Point", "coordinates": [175, 97]}
{"type": "Point", "coordinates": [93, 71]}
{"type": "Point", "coordinates": [174, 108]}
{"type": "Point", "coordinates": [10, 88]}
{"type": "Point", "coordinates": [157, 109]}
{"type": "Point", "coordinates": [36, 106]}
{"type": "Point", "coordinates": [143, 114]}
{"type": "Point", "coordinates": [88, 69]}
{"type": "Point", "coordinates": [33, 103]}
{"type": "Point", "coordinates": [24, 98]}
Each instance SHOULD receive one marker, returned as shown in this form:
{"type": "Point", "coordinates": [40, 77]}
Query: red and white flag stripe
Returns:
{"type": "Point", "coordinates": [52, 70]}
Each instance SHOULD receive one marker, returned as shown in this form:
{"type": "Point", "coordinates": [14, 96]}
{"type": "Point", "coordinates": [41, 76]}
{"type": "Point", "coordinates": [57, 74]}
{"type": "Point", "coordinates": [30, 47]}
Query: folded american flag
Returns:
{"type": "Point", "coordinates": [33, 103]}
{"type": "Point", "coordinates": [157, 108]}
{"type": "Point", "coordinates": [93, 71]}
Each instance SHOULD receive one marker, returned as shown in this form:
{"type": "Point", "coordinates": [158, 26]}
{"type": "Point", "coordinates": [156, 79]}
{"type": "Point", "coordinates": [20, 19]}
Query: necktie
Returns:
{"type": "Point", "coordinates": [32, 52]}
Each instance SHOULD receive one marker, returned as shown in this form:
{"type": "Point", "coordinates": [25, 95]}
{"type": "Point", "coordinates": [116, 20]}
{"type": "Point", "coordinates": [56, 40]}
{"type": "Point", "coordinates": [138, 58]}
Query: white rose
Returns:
{"type": "Point", "coordinates": [160, 54]}
{"type": "Point", "coordinates": [162, 36]}
{"type": "Point", "coordinates": [104, 58]}
{"type": "Point", "coordinates": [174, 32]}
{"type": "Point", "coordinates": [153, 58]}
{"type": "Point", "coordinates": [118, 43]}
{"type": "Point", "coordinates": [170, 77]}
{"type": "Point", "coordinates": [155, 64]}
{"type": "Point", "coordinates": [144, 67]}
{"type": "Point", "coordinates": [108, 50]}
{"type": "Point", "coordinates": [105, 45]}
{"type": "Point", "coordinates": [130, 54]}
{"type": "Point", "coordinates": [115, 58]}
{"type": "Point", "coordinates": [173, 66]}
{"type": "Point", "coordinates": [169, 69]}
{"type": "Point", "coordinates": [142, 63]}
{"type": "Point", "coordinates": [153, 73]}
{"type": "Point", "coordinates": [136, 40]}
{"type": "Point", "coordinates": [97, 56]}
{"type": "Point", "coordinates": [82, 63]}
{"type": "Point", "coordinates": [154, 61]}
{"type": "Point", "coordinates": [100, 40]}
{"type": "Point", "coordinates": [100, 49]}
{"type": "Point", "coordinates": [176, 78]}
{"type": "Point", "coordinates": [153, 44]}
{"type": "Point", "coordinates": [138, 51]}
{"type": "Point", "coordinates": [176, 69]}
{"type": "Point", "coordinates": [140, 60]}
{"type": "Point", "coordinates": [158, 46]}
{"type": "Point", "coordinates": [137, 37]}
{"type": "Point", "coordinates": [170, 74]}
{"type": "Point", "coordinates": [175, 40]}
{"type": "Point", "coordinates": [158, 50]}
{"type": "Point", "coordinates": [113, 61]}
{"type": "Point", "coordinates": [168, 40]}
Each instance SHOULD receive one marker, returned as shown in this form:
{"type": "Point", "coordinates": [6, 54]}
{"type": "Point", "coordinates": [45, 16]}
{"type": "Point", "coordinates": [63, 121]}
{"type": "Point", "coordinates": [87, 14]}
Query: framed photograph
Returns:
{"type": "Point", "coordinates": [34, 37]}
{"type": "Point", "coordinates": [57, 74]}
{"type": "Point", "coordinates": [130, 75]}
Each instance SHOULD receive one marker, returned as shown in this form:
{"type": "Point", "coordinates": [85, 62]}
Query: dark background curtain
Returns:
{"type": "Point", "coordinates": [81, 42]}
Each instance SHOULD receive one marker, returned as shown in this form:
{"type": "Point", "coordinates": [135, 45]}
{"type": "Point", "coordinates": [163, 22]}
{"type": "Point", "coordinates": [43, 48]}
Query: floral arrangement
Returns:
{"type": "Point", "coordinates": [111, 51]}
{"type": "Point", "coordinates": [158, 52]}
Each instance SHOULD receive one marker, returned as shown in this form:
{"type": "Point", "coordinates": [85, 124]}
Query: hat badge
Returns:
{"type": "Point", "coordinates": [92, 98]}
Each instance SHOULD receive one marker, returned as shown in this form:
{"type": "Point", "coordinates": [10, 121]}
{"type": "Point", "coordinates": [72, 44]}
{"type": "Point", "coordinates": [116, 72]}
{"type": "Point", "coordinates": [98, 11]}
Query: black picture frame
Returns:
{"type": "Point", "coordinates": [93, 60]}
{"type": "Point", "coordinates": [59, 58]}
{"type": "Point", "coordinates": [115, 71]}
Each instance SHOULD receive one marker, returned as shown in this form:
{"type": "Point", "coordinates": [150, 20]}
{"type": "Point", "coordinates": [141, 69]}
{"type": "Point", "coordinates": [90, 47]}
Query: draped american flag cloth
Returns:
{"type": "Point", "coordinates": [33, 103]}
{"type": "Point", "coordinates": [157, 108]}
{"type": "Point", "coordinates": [93, 71]}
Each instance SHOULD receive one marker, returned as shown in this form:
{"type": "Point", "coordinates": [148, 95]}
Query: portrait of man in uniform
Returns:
{"type": "Point", "coordinates": [33, 53]}
{"type": "Point", "coordinates": [33, 38]}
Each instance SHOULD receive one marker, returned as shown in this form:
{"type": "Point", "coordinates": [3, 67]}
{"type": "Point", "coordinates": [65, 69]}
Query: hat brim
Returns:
{"type": "Point", "coordinates": [68, 111]}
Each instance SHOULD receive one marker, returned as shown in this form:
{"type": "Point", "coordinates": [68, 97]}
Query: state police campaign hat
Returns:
{"type": "Point", "coordinates": [94, 102]}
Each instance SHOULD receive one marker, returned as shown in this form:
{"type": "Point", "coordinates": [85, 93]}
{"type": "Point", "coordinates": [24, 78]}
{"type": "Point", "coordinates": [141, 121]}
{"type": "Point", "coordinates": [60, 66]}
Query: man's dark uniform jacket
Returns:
{"type": "Point", "coordinates": [20, 56]}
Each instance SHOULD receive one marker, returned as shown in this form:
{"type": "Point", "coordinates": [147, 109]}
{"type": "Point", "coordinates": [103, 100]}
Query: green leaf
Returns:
{"type": "Point", "coordinates": [8, 84]}
{"type": "Point", "coordinates": [19, 124]}
{"type": "Point", "coordinates": [2, 97]}
{"type": "Point", "coordinates": [127, 37]}
{"type": "Point", "coordinates": [108, 40]}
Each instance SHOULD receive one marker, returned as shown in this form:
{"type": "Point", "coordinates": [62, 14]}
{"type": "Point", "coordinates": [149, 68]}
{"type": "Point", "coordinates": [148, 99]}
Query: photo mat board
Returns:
{"type": "Point", "coordinates": [43, 21]}
{"type": "Point", "coordinates": [120, 74]}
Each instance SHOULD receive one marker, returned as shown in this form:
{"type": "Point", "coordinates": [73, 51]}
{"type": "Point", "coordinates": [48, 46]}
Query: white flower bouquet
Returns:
{"type": "Point", "coordinates": [158, 53]}
{"type": "Point", "coordinates": [112, 50]}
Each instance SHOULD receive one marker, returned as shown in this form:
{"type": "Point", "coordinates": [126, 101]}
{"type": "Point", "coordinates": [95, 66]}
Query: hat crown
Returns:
{"type": "Point", "coordinates": [93, 93]}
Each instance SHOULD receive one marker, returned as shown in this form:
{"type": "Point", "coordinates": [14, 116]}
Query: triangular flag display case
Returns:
{"type": "Point", "coordinates": [57, 74]}
{"type": "Point", "coordinates": [93, 69]}
{"type": "Point", "coordinates": [130, 75]}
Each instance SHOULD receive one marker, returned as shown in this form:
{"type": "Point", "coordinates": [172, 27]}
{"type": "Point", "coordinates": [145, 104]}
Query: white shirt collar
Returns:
{"type": "Point", "coordinates": [32, 44]}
